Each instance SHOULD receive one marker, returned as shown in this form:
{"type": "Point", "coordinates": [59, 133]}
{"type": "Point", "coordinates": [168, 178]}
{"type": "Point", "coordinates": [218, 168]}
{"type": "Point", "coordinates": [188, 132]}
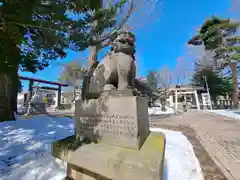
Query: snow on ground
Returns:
{"type": "Point", "coordinates": [158, 111]}
{"type": "Point", "coordinates": [25, 147]}
{"type": "Point", "coordinates": [180, 161]}
{"type": "Point", "coordinates": [226, 113]}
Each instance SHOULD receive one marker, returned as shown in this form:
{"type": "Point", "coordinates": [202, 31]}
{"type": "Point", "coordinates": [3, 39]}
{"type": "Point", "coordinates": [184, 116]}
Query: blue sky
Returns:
{"type": "Point", "coordinates": [164, 40]}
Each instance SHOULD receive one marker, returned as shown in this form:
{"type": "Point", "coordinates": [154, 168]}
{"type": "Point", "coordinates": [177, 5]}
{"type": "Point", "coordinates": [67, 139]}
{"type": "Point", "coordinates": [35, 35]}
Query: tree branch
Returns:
{"type": "Point", "coordinates": [34, 26]}
{"type": "Point", "coordinates": [105, 44]}
{"type": "Point", "coordinates": [116, 28]}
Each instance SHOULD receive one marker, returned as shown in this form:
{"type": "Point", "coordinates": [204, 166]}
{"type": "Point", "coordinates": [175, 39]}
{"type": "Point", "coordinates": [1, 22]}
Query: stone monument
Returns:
{"type": "Point", "coordinates": [112, 138]}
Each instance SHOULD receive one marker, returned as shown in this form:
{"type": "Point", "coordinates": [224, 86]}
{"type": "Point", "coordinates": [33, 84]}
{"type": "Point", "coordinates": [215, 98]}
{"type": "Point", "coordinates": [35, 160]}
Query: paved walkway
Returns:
{"type": "Point", "coordinates": [219, 135]}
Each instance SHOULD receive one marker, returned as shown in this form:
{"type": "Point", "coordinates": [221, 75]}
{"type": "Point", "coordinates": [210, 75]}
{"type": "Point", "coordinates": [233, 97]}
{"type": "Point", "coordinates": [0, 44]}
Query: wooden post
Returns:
{"type": "Point", "coordinates": [176, 100]}
{"type": "Point", "coordinates": [59, 96]}
{"type": "Point", "coordinates": [197, 100]}
{"type": "Point", "coordinates": [30, 89]}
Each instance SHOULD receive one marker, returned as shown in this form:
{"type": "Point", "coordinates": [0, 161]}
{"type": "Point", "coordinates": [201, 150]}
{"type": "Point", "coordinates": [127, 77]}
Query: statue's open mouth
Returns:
{"type": "Point", "coordinates": [126, 38]}
{"type": "Point", "coordinates": [129, 42]}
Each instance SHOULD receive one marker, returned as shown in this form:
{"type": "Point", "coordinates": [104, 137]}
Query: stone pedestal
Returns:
{"type": "Point", "coordinates": [97, 161]}
{"type": "Point", "coordinates": [77, 173]}
{"type": "Point", "coordinates": [112, 141]}
{"type": "Point", "coordinates": [112, 119]}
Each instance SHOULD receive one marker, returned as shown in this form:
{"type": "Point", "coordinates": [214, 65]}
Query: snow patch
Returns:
{"type": "Point", "coordinates": [226, 113]}
{"type": "Point", "coordinates": [25, 151]}
{"type": "Point", "coordinates": [180, 161]}
{"type": "Point", "coordinates": [158, 111]}
{"type": "Point", "coordinates": [25, 147]}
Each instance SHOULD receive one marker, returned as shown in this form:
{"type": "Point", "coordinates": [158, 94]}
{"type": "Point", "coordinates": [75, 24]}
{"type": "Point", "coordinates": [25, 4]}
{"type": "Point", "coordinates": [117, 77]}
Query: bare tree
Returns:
{"type": "Point", "coordinates": [182, 71]}
{"type": "Point", "coordinates": [164, 80]}
{"type": "Point", "coordinates": [99, 41]}
{"type": "Point", "coordinates": [145, 14]}
{"type": "Point", "coordinates": [126, 18]}
{"type": "Point", "coordinates": [72, 73]}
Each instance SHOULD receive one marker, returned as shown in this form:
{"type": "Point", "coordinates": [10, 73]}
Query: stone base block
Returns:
{"type": "Point", "coordinates": [103, 162]}
{"type": "Point", "coordinates": [77, 173]}
{"type": "Point", "coordinates": [114, 120]}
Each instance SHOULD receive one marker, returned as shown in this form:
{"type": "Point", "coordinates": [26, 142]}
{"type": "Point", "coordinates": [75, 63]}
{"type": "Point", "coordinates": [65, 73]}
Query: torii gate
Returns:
{"type": "Point", "coordinates": [31, 83]}
{"type": "Point", "coordinates": [185, 91]}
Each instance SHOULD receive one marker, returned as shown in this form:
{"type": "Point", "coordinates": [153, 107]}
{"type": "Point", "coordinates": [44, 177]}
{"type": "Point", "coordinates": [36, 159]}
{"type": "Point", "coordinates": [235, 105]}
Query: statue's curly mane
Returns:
{"type": "Point", "coordinates": [124, 42]}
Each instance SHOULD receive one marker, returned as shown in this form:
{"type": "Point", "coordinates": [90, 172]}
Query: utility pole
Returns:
{"type": "Point", "coordinates": [209, 97]}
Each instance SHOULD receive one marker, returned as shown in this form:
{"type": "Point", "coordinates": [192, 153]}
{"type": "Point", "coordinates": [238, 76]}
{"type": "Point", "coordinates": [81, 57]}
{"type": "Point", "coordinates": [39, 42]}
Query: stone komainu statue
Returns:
{"type": "Point", "coordinates": [117, 70]}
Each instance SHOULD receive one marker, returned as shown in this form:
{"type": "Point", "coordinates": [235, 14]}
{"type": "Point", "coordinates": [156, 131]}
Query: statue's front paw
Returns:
{"type": "Point", "coordinates": [109, 87]}
{"type": "Point", "coordinates": [136, 92]}
{"type": "Point", "coordinates": [129, 87]}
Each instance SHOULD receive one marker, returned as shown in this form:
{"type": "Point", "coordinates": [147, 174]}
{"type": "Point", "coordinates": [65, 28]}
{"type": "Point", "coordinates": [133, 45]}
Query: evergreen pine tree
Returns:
{"type": "Point", "coordinates": [219, 35]}
{"type": "Point", "coordinates": [32, 33]}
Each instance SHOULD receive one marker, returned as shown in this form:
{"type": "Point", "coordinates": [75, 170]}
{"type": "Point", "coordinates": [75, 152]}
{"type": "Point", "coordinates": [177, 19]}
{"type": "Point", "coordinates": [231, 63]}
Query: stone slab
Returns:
{"type": "Point", "coordinates": [113, 119]}
{"type": "Point", "coordinates": [77, 173]}
{"type": "Point", "coordinates": [114, 162]}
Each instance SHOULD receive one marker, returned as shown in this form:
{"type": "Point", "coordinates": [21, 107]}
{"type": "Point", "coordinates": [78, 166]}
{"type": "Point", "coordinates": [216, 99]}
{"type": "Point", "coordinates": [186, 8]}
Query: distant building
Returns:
{"type": "Point", "coordinates": [67, 98]}
{"type": "Point", "coordinates": [49, 96]}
